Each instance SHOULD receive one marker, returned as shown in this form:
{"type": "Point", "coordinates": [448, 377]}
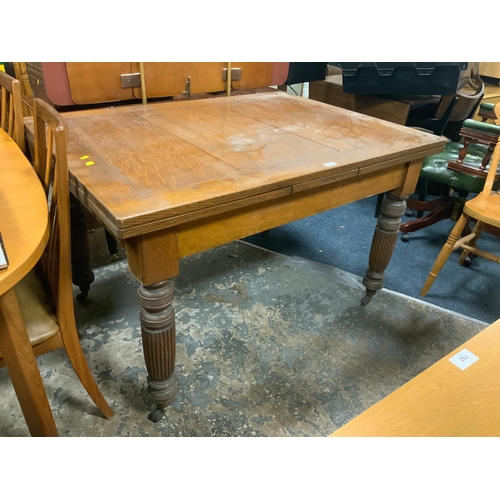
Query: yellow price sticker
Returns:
{"type": "Point", "coordinates": [88, 163]}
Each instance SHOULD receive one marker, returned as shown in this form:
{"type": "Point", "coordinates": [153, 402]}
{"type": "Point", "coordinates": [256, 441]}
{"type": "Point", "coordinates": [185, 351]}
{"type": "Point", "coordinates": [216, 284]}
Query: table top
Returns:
{"type": "Point", "coordinates": [444, 400]}
{"type": "Point", "coordinates": [24, 220]}
{"type": "Point", "coordinates": [145, 165]}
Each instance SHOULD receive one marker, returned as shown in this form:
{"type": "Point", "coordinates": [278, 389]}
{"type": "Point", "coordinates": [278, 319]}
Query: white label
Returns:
{"type": "Point", "coordinates": [329, 164]}
{"type": "Point", "coordinates": [464, 359]}
{"type": "Point", "coordinates": [3, 260]}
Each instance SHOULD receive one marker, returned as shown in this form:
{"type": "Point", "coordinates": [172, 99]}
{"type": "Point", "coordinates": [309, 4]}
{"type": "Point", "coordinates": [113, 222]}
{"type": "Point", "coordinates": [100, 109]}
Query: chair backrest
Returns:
{"type": "Point", "coordinates": [466, 104]}
{"type": "Point", "coordinates": [51, 164]}
{"type": "Point", "coordinates": [490, 178]}
{"type": "Point", "coordinates": [484, 134]}
{"type": "Point", "coordinates": [464, 108]}
{"type": "Point", "coordinates": [486, 111]}
{"type": "Point", "coordinates": [11, 109]}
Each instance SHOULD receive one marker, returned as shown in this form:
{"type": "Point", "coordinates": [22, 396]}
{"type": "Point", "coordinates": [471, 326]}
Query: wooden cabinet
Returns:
{"type": "Point", "coordinates": [490, 69]}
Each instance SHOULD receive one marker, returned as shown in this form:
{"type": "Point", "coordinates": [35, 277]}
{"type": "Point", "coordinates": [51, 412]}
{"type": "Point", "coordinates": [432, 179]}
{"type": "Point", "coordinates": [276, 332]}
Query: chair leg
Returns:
{"type": "Point", "coordinates": [23, 369]}
{"type": "Point", "coordinates": [444, 253]}
{"type": "Point", "coordinates": [79, 362]}
{"type": "Point", "coordinates": [478, 229]}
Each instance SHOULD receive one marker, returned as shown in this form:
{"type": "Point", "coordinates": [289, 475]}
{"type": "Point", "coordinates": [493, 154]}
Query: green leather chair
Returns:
{"type": "Point", "coordinates": [461, 169]}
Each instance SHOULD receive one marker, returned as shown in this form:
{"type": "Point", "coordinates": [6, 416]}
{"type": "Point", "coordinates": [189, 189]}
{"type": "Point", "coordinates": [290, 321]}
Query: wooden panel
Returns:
{"type": "Point", "coordinates": [94, 82]}
{"type": "Point", "coordinates": [150, 255]}
{"type": "Point", "coordinates": [443, 400]}
{"type": "Point", "coordinates": [159, 161]}
{"type": "Point", "coordinates": [330, 91]}
{"type": "Point", "coordinates": [197, 237]}
{"type": "Point", "coordinates": [491, 69]}
{"type": "Point", "coordinates": [253, 75]}
{"type": "Point", "coordinates": [169, 78]}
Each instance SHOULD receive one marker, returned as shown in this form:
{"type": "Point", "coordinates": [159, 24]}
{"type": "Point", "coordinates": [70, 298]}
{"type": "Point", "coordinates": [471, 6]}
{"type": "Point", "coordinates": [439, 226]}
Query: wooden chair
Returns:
{"type": "Point", "coordinates": [11, 109]}
{"type": "Point", "coordinates": [446, 120]}
{"type": "Point", "coordinates": [45, 295]}
{"type": "Point", "coordinates": [486, 111]}
{"type": "Point", "coordinates": [430, 212]}
{"type": "Point", "coordinates": [484, 208]}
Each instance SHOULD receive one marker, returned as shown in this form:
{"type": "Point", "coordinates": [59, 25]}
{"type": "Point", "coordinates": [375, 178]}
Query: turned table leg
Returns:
{"type": "Point", "coordinates": [82, 275]}
{"type": "Point", "coordinates": [158, 340]}
{"type": "Point", "coordinates": [383, 243]}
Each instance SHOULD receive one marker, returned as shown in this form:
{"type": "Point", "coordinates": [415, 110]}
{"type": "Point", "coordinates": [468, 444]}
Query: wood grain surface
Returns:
{"type": "Point", "coordinates": [444, 400]}
{"type": "Point", "coordinates": [24, 221]}
{"type": "Point", "coordinates": [153, 163]}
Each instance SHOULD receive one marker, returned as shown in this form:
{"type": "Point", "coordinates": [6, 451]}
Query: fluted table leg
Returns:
{"type": "Point", "coordinates": [158, 340]}
{"type": "Point", "coordinates": [383, 244]}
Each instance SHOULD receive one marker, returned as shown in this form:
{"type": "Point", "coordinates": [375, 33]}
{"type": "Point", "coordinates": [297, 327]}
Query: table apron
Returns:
{"type": "Point", "coordinates": [154, 257]}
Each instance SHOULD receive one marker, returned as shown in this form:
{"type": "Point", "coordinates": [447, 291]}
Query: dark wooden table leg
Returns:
{"type": "Point", "coordinates": [158, 340]}
{"type": "Point", "coordinates": [383, 243]}
{"type": "Point", "coordinates": [82, 275]}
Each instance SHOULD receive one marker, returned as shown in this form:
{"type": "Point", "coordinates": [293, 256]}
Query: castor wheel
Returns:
{"type": "Point", "coordinates": [467, 262]}
{"type": "Point", "coordinates": [82, 297]}
{"type": "Point", "coordinates": [155, 414]}
{"type": "Point", "coordinates": [405, 237]}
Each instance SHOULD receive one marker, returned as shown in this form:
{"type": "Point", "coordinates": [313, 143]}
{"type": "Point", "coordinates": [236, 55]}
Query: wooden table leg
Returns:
{"type": "Point", "coordinates": [383, 243]}
{"type": "Point", "coordinates": [158, 341]}
{"type": "Point", "coordinates": [23, 369]}
{"type": "Point", "coordinates": [153, 259]}
{"type": "Point", "coordinates": [82, 275]}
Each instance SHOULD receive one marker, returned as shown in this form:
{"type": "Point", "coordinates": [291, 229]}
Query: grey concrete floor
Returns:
{"type": "Point", "coordinates": [267, 345]}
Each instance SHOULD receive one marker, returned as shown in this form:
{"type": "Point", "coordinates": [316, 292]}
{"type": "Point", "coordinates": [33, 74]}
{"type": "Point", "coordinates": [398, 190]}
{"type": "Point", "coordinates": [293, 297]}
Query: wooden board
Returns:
{"type": "Point", "coordinates": [95, 82]}
{"type": "Point", "coordinates": [444, 400]}
{"type": "Point", "coordinates": [168, 78]}
{"type": "Point", "coordinates": [153, 163]}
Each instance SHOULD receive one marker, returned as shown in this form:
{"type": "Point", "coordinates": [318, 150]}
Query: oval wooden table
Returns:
{"type": "Point", "coordinates": [25, 232]}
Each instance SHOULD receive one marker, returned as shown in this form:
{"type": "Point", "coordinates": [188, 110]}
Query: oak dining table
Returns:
{"type": "Point", "coordinates": [24, 226]}
{"type": "Point", "coordinates": [171, 179]}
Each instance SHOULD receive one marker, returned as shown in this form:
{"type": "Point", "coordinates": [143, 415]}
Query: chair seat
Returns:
{"type": "Point", "coordinates": [485, 207]}
{"type": "Point", "coordinates": [38, 317]}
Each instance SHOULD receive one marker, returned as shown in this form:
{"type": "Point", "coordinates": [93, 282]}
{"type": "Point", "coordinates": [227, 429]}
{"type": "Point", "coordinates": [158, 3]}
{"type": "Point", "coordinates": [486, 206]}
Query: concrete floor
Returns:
{"type": "Point", "coordinates": [267, 345]}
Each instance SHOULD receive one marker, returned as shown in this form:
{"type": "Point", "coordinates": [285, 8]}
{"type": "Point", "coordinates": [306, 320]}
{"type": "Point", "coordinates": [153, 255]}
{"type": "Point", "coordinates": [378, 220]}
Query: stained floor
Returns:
{"type": "Point", "coordinates": [267, 345]}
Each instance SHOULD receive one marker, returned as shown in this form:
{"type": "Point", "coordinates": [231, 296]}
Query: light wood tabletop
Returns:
{"type": "Point", "coordinates": [170, 179]}
{"type": "Point", "coordinates": [25, 232]}
{"type": "Point", "coordinates": [457, 396]}
{"type": "Point", "coordinates": [23, 206]}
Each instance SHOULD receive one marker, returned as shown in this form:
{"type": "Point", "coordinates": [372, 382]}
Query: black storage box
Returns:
{"type": "Point", "coordinates": [300, 72]}
{"type": "Point", "coordinates": [409, 78]}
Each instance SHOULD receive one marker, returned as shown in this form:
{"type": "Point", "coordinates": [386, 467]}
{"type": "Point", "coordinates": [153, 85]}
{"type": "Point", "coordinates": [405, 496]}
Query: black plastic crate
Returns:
{"type": "Point", "coordinates": [409, 78]}
{"type": "Point", "coordinates": [300, 72]}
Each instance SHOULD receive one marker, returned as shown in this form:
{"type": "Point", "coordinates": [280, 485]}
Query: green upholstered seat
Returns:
{"type": "Point", "coordinates": [435, 167]}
